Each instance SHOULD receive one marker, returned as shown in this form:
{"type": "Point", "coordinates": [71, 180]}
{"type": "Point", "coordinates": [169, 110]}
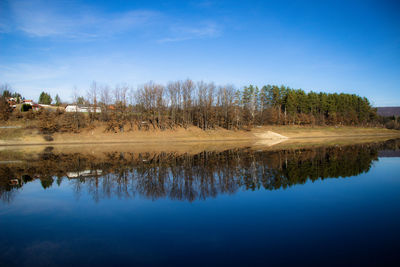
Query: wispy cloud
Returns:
{"type": "Point", "coordinates": [68, 20]}
{"type": "Point", "coordinates": [183, 33]}
{"type": "Point", "coordinates": [42, 19]}
{"type": "Point", "coordinates": [48, 65]}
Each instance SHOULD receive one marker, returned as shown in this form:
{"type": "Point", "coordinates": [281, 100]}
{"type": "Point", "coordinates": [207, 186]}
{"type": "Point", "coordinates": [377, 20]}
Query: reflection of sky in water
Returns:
{"type": "Point", "coordinates": [350, 221]}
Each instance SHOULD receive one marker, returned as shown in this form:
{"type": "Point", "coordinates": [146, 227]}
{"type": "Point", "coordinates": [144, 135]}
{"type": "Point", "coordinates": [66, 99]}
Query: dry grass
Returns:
{"type": "Point", "coordinates": [11, 134]}
{"type": "Point", "coordinates": [320, 131]}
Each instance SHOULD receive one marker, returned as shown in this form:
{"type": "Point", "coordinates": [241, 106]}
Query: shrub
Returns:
{"type": "Point", "coordinates": [393, 125]}
{"type": "Point", "coordinates": [5, 109]}
{"type": "Point", "coordinates": [18, 114]}
{"type": "Point", "coordinates": [47, 122]}
{"type": "Point", "coordinates": [29, 115]}
{"type": "Point", "coordinates": [72, 122]}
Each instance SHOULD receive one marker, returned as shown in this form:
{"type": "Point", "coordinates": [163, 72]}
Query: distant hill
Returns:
{"type": "Point", "coordinates": [388, 111]}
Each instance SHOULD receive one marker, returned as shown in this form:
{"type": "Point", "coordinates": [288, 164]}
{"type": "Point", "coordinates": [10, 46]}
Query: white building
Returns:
{"type": "Point", "coordinates": [75, 108]}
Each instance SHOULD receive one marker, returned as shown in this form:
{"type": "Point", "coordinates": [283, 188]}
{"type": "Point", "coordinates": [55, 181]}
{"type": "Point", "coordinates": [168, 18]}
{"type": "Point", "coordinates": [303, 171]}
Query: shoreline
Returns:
{"type": "Point", "coordinates": [181, 141]}
{"type": "Point", "coordinates": [274, 134]}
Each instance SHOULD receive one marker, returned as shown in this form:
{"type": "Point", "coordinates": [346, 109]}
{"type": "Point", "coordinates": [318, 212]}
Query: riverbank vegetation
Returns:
{"type": "Point", "coordinates": [182, 104]}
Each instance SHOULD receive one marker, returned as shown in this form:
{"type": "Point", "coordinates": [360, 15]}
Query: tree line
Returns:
{"type": "Point", "coordinates": [208, 106]}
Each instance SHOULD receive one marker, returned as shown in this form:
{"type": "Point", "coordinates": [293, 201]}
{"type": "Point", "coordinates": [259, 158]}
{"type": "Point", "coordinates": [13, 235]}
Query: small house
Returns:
{"type": "Point", "coordinates": [77, 108]}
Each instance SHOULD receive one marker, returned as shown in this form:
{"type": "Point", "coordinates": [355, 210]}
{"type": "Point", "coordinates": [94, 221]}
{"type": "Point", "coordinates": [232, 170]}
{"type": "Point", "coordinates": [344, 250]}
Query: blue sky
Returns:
{"type": "Point", "coordinates": [331, 46]}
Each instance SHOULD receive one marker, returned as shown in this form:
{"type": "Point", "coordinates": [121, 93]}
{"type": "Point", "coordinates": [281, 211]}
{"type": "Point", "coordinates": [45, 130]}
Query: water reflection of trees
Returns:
{"type": "Point", "coordinates": [185, 176]}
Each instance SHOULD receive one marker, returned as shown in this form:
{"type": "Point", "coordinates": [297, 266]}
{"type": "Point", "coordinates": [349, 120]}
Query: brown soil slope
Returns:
{"type": "Point", "coordinates": [193, 134]}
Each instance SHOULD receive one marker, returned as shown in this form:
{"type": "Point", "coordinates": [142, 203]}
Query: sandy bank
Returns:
{"type": "Point", "coordinates": [270, 135]}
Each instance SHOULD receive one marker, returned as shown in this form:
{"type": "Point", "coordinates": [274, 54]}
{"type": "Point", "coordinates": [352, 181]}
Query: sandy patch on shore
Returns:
{"type": "Point", "coordinates": [270, 135]}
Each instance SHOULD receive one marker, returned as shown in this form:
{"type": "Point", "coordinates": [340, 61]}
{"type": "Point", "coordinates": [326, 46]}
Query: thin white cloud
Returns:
{"type": "Point", "coordinates": [42, 19]}
{"type": "Point", "coordinates": [68, 20]}
{"type": "Point", "coordinates": [57, 72]}
{"type": "Point", "coordinates": [183, 33]}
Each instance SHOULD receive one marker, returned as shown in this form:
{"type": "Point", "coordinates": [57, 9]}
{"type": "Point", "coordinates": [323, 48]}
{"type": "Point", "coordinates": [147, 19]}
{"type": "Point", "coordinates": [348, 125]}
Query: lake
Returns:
{"type": "Point", "coordinates": [336, 205]}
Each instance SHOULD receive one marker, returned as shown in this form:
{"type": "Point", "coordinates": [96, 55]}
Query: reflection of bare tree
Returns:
{"type": "Point", "coordinates": [8, 196]}
{"type": "Point", "coordinates": [187, 177]}
{"type": "Point", "coordinates": [77, 188]}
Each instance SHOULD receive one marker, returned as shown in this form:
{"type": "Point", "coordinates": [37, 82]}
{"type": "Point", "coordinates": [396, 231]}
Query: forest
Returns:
{"type": "Point", "coordinates": [205, 105]}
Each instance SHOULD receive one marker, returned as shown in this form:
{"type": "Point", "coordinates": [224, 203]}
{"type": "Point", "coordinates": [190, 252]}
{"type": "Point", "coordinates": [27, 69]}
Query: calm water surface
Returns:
{"type": "Point", "coordinates": [335, 205]}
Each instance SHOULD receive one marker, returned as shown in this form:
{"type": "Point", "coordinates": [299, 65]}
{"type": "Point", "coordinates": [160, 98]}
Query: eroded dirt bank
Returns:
{"type": "Point", "coordinates": [268, 135]}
